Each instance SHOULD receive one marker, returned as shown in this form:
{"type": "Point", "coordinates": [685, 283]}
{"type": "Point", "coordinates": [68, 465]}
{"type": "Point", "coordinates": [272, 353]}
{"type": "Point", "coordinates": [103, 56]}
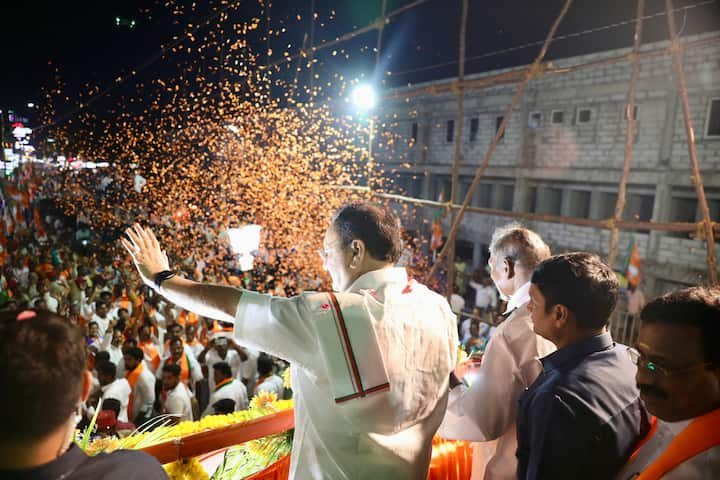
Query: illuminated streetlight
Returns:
{"type": "Point", "coordinates": [31, 105]}
{"type": "Point", "coordinates": [364, 97]}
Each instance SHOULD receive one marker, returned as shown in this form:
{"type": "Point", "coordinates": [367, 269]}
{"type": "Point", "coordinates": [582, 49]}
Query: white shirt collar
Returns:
{"type": "Point", "coordinates": [519, 298]}
{"type": "Point", "coordinates": [377, 278]}
{"type": "Point", "coordinates": [104, 388]}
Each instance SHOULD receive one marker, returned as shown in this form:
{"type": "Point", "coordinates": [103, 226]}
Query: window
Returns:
{"type": "Point", "coordinates": [505, 197]}
{"type": "Point", "coordinates": [606, 206]}
{"type": "Point", "coordinates": [535, 119]}
{"type": "Point", "coordinates": [483, 196]}
{"type": "Point", "coordinates": [498, 121]}
{"type": "Point", "coordinates": [579, 205]}
{"type": "Point", "coordinates": [712, 121]}
{"type": "Point", "coordinates": [550, 200]}
{"type": "Point", "coordinates": [413, 133]}
{"type": "Point", "coordinates": [683, 209]}
{"type": "Point", "coordinates": [532, 199]}
{"type": "Point", "coordinates": [474, 128]}
{"type": "Point", "coordinates": [450, 131]}
{"type": "Point", "coordinates": [584, 115]}
{"type": "Point", "coordinates": [639, 207]}
{"type": "Point", "coordinates": [557, 117]}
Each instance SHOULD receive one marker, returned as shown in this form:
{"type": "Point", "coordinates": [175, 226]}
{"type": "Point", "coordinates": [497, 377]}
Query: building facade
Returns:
{"type": "Point", "coordinates": [563, 152]}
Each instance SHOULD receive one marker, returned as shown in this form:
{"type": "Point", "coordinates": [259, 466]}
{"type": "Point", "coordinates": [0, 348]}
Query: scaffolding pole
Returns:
{"type": "Point", "coordinates": [530, 73]}
{"type": "Point", "coordinates": [458, 145]}
{"type": "Point", "coordinates": [692, 151]}
{"type": "Point", "coordinates": [629, 134]}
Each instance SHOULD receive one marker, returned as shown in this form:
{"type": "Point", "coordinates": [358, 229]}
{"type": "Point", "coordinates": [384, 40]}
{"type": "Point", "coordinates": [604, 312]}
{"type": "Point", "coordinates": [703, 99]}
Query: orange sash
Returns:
{"type": "Point", "coordinates": [187, 318]}
{"type": "Point", "coordinates": [151, 352]}
{"type": "Point", "coordinates": [132, 378]}
{"type": "Point", "coordinates": [702, 434]}
{"type": "Point", "coordinates": [227, 381]}
{"type": "Point", "coordinates": [184, 367]}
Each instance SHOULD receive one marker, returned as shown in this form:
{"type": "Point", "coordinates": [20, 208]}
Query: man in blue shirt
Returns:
{"type": "Point", "coordinates": [583, 416]}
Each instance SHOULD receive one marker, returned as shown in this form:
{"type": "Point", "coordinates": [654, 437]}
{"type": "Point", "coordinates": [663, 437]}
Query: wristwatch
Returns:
{"type": "Point", "coordinates": [160, 277]}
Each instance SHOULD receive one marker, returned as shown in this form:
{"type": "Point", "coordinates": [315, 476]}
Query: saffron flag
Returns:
{"type": "Point", "coordinates": [632, 270]}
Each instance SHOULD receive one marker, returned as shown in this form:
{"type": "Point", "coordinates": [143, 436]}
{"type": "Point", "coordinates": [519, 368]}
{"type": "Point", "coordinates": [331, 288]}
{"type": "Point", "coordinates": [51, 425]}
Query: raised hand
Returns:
{"type": "Point", "coordinates": [143, 247]}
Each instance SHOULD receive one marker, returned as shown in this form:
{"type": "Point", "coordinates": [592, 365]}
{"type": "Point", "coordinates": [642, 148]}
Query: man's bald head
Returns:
{"type": "Point", "coordinates": [521, 245]}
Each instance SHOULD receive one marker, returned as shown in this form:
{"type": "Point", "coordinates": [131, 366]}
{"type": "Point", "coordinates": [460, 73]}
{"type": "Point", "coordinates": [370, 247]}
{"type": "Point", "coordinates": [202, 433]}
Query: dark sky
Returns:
{"type": "Point", "coordinates": [81, 39]}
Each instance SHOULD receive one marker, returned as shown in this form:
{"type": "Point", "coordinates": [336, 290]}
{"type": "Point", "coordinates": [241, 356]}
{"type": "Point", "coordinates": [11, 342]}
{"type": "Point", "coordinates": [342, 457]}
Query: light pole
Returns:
{"type": "Point", "coordinates": [364, 98]}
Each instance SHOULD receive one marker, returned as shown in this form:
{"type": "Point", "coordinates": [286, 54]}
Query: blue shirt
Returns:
{"type": "Point", "coordinates": [582, 417]}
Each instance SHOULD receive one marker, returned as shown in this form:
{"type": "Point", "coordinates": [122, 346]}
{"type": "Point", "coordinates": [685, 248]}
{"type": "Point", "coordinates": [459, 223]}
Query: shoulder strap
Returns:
{"type": "Point", "coordinates": [702, 434]}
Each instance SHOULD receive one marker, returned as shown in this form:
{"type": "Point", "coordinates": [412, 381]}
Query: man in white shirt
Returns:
{"type": "Point", "coordinates": [176, 399]}
{"type": "Point", "coordinates": [101, 316]}
{"type": "Point", "coordinates": [217, 351]}
{"type": "Point", "coordinates": [142, 383]}
{"type": "Point", "coordinates": [370, 364]}
{"type": "Point", "coordinates": [485, 294]}
{"type": "Point", "coordinates": [111, 387]}
{"type": "Point", "coordinates": [487, 410]}
{"type": "Point", "coordinates": [267, 380]}
{"type": "Point", "coordinates": [226, 387]}
{"type": "Point", "coordinates": [112, 343]}
{"type": "Point", "coordinates": [190, 369]}
{"type": "Point", "coordinates": [678, 375]}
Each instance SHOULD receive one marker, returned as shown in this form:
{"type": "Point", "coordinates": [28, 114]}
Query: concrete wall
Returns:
{"type": "Point", "coordinates": [537, 161]}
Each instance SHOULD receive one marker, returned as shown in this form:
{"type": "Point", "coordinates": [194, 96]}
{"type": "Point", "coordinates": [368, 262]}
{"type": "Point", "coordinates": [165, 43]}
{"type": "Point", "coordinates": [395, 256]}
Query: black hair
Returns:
{"type": "Point", "coordinates": [41, 358]}
{"type": "Point", "coordinates": [112, 404]}
{"type": "Point", "coordinates": [100, 303]}
{"type": "Point", "coordinates": [265, 364]}
{"type": "Point", "coordinates": [224, 368]}
{"type": "Point", "coordinates": [581, 282]}
{"type": "Point", "coordinates": [102, 356]}
{"type": "Point", "coordinates": [697, 307]}
{"type": "Point", "coordinates": [135, 353]}
{"type": "Point", "coordinates": [224, 406]}
{"type": "Point", "coordinates": [172, 368]}
{"type": "Point", "coordinates": [377, 227]}
{"type": "Point", "coordinates": [106, 368]}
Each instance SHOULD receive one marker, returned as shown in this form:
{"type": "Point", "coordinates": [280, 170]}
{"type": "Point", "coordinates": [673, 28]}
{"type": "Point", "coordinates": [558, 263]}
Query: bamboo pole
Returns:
{"type": "Point", "coordinates": [458, 145]}
{"type": "Point", "coordinates": [531, 71]}
{"type": "Point", "coordinates": [581, 222]}
{"type": "Point", "coordinates": [629, 134]}
{"type": "Point", "coordinates": [697, 179]}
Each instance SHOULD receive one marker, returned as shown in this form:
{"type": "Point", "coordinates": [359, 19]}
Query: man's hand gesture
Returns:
{"type": "Point", "coordinates": [145, 251]}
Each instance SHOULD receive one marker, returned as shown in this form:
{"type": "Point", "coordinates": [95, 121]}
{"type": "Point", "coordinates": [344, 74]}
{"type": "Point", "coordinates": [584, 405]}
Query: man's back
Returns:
{"type": "Point", "coordinates": [583, 415]}
{"type": "Point", "coordinates": [370, 403]}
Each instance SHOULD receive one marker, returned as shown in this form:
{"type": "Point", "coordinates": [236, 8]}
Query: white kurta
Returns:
{"type": "Point", "coordinates": [120, 391]}
{"type": "Point", "coordinates": [704, 465]}
{"type": "Point", "coordinates": [178, 402]}
{"type": "Point", "coordinates": [272, 384]}
{"type": "Point", "coordinates": [212, 357]}
{"type": "Point", "coordinates": [370, 382]}
{"type": "Point", "coordinates": [235, 391]}
{"type": "Point", "coordinates": [487, 411]}
{"type": "Point", "coordinates": [143, 394]}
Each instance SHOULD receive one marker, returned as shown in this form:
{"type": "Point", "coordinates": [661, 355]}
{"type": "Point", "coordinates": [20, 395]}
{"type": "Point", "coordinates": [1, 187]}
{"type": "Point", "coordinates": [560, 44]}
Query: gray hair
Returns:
{"type": "Point", "coordinates": [519, 244]}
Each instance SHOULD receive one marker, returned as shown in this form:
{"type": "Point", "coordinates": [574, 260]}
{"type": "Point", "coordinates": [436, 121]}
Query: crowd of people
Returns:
{"type": "Point", "coordinates": [147, 357]}
{"type": "Point", "coordinates": [375, 371]}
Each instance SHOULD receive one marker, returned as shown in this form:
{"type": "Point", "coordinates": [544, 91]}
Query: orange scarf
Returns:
{"type": "Point", "coordinates": [227, 381]}
{"type": "Point", "coordinates": [132, 378]}
{"type": "Point", "coordinates": [700, 435]}
{"type": "Point", "coordinates": [151, 352]}
{"type": "Point", "coordinates": [187, 318]}
{"type": "Point", "coordinates": [184, 367]}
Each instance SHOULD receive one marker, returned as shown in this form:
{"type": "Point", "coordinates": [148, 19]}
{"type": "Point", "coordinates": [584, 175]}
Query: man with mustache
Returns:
{"type": "Point", "coordinates": [678, 358]}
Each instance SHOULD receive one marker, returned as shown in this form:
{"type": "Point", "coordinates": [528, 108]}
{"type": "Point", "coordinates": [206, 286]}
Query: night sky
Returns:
{"type": "Point", "coordinates": [81, 40]}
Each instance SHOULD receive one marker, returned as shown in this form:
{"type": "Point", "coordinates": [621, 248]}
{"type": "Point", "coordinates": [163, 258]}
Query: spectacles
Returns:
{"type": "Point", "coordinates": [657, 369]}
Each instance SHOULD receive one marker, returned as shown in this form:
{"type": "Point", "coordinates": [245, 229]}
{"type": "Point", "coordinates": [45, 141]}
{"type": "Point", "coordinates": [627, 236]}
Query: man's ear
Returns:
{"type": "Point", "coordinates": [357, 251]}
{"type": "Point", "coordinates": [561, 315]}
{"type": "Point", "coordinates": [509, 268]}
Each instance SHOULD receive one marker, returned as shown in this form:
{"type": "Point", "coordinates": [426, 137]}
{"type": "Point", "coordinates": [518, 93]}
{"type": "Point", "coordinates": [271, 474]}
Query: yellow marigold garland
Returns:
{"type": "Point", "coordinates": [186, 469]}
